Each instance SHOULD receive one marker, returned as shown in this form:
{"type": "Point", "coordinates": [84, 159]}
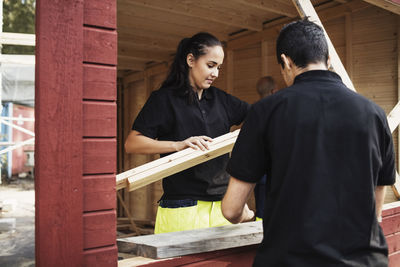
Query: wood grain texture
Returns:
{"type": "Point", "coordinates": [393, 242]}
{"type": "Point", "coordinates": [391, 224]}
{"type": "Point", "coordinates": [394, 259]}
{"type": "Point", "coordinates": [99, 192]}
{"type": "Point", "coordinates": [100, 13]}
{"type": "Point", "coordinates": [100, 46]}
{"type": "Point", "coordinates": [99, 82]}
{"type": "Point", "coordinates": [160, 168]}
{"type": "Point", "coordinates": [58, 124]}
{"type": "Point", "coordinates": [193, 241]}
{"type": "Point", "coordinates": [100, 229]}
{"type": "Point", "coordinates": [99, 156]}
{"type": "Point", "coordinates": [194, 259]}
{"type": "Point", "coordinates": [102, 257]}
{"type": "Point", "coordinates": [99, 119]}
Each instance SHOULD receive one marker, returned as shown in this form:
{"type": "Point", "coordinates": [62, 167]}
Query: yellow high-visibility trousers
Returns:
{"type": "Point", "coordinates": [204, 214]}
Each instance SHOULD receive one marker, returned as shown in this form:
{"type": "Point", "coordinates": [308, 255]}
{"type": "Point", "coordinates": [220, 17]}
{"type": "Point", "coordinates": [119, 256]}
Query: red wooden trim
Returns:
{"type": "Point", "coordinates": [99, 119]}
{"type": "Point", "coordinates": [201, 257]}
{"type": "Point", "coordinates": [99, 192]}
{"type": "Point", "coordinates": [101, 13]}
{"type": "Point", "coordinates": [99, 156]}
{"type": "Point", "coordinates": [102, 257]}
{"type": "Point", "coordinates": [99, 82]}
{"type": "Point", "coordinates": [393, 242]}
{"type": "Point", "coordinates": [100, 46]}
{"type": "Point", "coordinates": [391, 224]}
{"type": "Point", "coordinates": [58, 124]}
{"type": "Point", "coordinates": [99, 229]}
{"type": "Point", "coordinates": [394, 259]}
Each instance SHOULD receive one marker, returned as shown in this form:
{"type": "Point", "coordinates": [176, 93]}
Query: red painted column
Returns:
{"type": "Point", "coordinates": [76, 57]}
{"type": "Point", "coordinates": [58, 125]}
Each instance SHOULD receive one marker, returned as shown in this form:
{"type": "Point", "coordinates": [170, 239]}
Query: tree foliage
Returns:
{"type": "Point", "coordinates": [18, 17]}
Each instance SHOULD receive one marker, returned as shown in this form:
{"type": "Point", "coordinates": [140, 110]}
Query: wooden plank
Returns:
{"type": "Point", "coordinates": [100, 46]}
{"type": "Point", "coordinates": [193, 241]}
{"type": "Point", "coordinates": [144, 54]}
{"type": "Point", "coordinates": [58, 148]}
{"type": "Point", "coordinates": [349, 44]}
{"type": "Point", "coordinates": [270, 6]}
{"type": "Point", "coordinates": [393, 241]}
{"type": "Point", "coordinates": [264, 58]}
{"type": "Point", "coordinates": [99, 82]}
{"type": "Point", "coordinates": [131, 63]}
{"type": "Point", "coordinates": [100, 229]}
{"type": "Point", "coordinates": [160, 168]}
{"type": "Point", "coordinates": [306, 9]}
{"type": "Point", "coordinates": [394, 259]}
{"type": "Point", "coordinates": [391, 224]}
{"type": "Point", "coordinates": [390, 208]}
{"type": "Point", "coordinates": [128, 214]}
{"type": "Point", "coordinates": [229, 74]}
{"type": "Point", "coordinates": [193, 10]}
{"type": "Point", "coordinates": [100, 13]}
{"type": "Point", "coordinates": [10, 38]}
{"type": "Point", "coordinates": [98, 192]}
{"type": "Point", "coordinates": [99, 119]}
{"type": "Point", "coordinates": [99, 156]}
{"type": "Point", "coordinates": [389, 5]}
{"type": "Point", "coordinates": [101, 257]}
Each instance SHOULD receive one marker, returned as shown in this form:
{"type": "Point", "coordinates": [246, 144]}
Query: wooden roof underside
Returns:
{"type": "Point", "coordinates": [149, 30]}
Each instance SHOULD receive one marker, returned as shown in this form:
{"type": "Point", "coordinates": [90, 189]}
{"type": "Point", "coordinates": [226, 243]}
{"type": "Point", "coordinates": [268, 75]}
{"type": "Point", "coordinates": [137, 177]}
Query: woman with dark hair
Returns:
{"type": "Point", "coordinates": [188, 112]}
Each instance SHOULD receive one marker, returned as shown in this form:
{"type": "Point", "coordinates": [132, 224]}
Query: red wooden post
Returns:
{"type": "Point", "coordinates": [76, 57]}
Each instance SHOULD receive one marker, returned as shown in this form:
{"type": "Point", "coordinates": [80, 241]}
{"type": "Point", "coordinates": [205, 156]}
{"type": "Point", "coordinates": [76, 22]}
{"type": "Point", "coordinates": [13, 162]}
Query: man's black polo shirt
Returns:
{"type": "Point", "coordinates": [325, 149]}
{"type": "Point", "coordinates": [168, 116]}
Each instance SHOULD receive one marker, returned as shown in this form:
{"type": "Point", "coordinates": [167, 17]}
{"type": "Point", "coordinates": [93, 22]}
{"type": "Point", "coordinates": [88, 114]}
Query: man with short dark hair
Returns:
{"type": "Point", "coordinates": [327, 152]}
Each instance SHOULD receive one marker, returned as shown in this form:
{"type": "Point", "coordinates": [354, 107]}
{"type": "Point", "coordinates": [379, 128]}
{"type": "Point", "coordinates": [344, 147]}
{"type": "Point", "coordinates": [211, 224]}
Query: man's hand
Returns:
{"type": "Point", "coordinates": [247, 214]}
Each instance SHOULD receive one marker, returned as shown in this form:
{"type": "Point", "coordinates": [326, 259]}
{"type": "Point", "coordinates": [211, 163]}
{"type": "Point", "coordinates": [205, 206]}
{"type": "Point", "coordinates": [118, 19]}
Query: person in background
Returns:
{"type": "Point", "coordinates": [328, 154]}
{"type": "Point", "coordinates": [187, 112]}
{"type": "Point", "coordinates": [265, 87]}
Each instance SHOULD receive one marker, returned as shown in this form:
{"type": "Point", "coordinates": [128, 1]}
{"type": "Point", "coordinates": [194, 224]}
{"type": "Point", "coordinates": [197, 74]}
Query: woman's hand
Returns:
{"type": "Point", "coordinates": [195, 142]}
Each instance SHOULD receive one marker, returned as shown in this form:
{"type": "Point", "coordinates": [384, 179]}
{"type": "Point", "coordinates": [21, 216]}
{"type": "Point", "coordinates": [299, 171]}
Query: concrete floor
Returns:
{"type": "Point", "coordinates": [17, 244]}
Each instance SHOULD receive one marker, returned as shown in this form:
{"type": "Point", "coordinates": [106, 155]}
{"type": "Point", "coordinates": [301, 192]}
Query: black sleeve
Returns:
{"type": "Point", "coordinates": [237, 109]}
{"type": "Point", "coordinates": [154, 116]}
{"type": "Point", "coordinates": [248, 157]}
{"type": "Point", "coordinates": [387, 175]}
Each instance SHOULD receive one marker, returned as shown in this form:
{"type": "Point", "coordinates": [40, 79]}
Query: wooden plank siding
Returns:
{"type": "Point", "coordinates": [366, 36]}
{"type": "Point", "coordinates": [99, 132]}
{"type": "Point", "coordinates": [76, 133]}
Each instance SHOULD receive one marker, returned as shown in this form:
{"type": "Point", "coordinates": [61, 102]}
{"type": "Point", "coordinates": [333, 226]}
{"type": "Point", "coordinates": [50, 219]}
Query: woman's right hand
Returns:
{"type": "Point", "coordinates": [195, 142]}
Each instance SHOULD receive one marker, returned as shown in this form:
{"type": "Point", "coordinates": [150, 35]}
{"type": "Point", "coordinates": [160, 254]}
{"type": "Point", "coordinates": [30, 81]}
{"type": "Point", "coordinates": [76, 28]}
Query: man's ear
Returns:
{"type": "Point", "coordinates": [190, 60]}
{"type": "Point", "coordinates": [328, 63]}
{"type": "Point", "coordinates": [287, 62]}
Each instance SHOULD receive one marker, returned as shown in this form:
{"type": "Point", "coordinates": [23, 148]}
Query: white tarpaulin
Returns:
{"type": "Point", "coordinates": [18, 79]}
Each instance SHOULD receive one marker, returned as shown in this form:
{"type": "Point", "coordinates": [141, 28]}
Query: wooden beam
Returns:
{"type": "Point", "coordinates": [389, 5]}
{"type": "Point", "coordinates": [164, 23]}
{"type": "Point", "coordinates": [9, 38]}
{"type": "Point", "coordinates": [264, 58]}
{"type": "Point", "coordinates": [143, 54]}
{"type": "Point", "coordinates": [306, 9]}
{"type": "Point", "coordinates": [193, 241]}
{"type": "Point", "coordinates": [229, 72]}
{"type": "Point", "coordinates": [349, 44]}
{"type": "Point", "coordinates": [270, 6]}
{"type": "Point", "coordinates": [128, 214]}
{"type": "Point", "coordinates": [130, 63]}
{"type": "Point", "coordinates": [156, 170]}
{"type": "Point", "coordinates": [194, 10]}
{"type": "Point", "coordinates": [148, 43]}
{"type": "Point", "coordinates": [271, 30]}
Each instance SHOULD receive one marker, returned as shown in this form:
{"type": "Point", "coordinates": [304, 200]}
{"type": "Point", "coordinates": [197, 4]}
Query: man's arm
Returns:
{"type": "Point", "coordinates": [234, 207]}
{"type": "Point", "coordinates": [379, 199]}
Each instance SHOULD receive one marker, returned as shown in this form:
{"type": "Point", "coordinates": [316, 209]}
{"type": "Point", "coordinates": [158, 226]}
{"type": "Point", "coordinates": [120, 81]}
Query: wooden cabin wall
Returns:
{"type": "Point", "coordinates": [366, 41]}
